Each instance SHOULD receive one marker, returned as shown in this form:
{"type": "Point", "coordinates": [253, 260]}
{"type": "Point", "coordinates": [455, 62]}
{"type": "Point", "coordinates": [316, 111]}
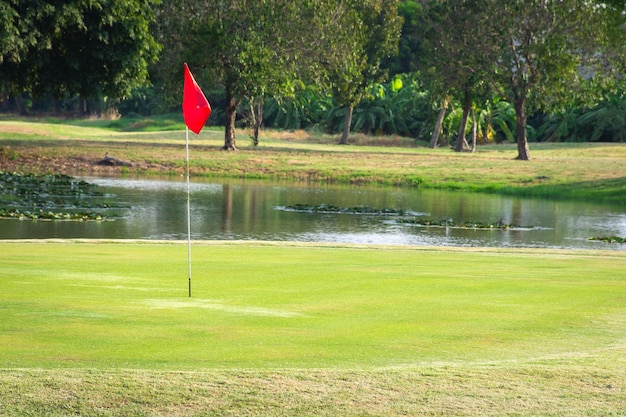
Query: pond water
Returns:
{"type": "Point", "coordinates": [232, 210]}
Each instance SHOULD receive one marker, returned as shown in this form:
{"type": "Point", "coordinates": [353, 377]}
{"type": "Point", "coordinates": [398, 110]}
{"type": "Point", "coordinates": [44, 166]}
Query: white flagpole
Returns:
{"type": "Point", "coordinates": [188, 215]}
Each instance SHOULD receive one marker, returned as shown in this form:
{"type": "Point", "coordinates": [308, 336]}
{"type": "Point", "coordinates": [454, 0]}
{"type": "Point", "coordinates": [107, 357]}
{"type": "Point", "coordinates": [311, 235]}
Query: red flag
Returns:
{"type": "Point", "coordinates": [196, 108]}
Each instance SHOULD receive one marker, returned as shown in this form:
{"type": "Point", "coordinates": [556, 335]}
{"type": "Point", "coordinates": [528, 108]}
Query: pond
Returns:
{"type": "Point", "coordinates": [244, 210]}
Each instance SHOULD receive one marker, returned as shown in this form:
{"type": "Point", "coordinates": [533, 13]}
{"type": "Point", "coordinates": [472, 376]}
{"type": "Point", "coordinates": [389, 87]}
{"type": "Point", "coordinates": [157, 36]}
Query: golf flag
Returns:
{"type": "Point", "coordinates": [196, 108]}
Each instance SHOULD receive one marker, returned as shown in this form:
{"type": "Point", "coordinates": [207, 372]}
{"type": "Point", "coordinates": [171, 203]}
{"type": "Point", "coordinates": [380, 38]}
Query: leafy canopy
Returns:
{"type": "Point", "coordinates": [90, 48]}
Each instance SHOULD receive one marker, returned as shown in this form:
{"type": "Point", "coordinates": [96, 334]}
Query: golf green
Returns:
{"type": "Point", "coordinates": [254, 305]}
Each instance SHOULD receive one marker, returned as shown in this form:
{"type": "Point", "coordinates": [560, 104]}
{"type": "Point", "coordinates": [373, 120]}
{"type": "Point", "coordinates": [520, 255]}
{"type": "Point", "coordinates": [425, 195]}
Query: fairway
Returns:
{"type": "Point", "coordinates": [280, 329]}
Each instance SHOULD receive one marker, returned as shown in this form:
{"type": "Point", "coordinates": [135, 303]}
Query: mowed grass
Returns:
{"type": "Point", "coordinates": [592, 171]}
{"type": "Point", "coordinates": [269, 306]}
{"type": "Point", "coordinates": [107, 328]}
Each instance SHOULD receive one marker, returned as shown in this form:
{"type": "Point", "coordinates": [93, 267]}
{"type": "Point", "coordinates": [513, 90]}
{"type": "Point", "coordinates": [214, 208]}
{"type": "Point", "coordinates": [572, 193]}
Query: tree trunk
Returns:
{"type": "Point", "coordinates": [21, 108]}
{"type": "Point", "coordinates": [84, 110]}
{"type": "Point", "coordinates": [435, 136]}
{"type": "Point", "coordinates": [4, 101]}
{"type": "Point", "coordinates": [256, 111]}
{"type": "Point", "coordinates": [346, 126]}
{"type": "Point", "coordinates": [474, 131]}
{"type": "Point", "coordinates": [523, 153]}
{"type": "Point", "coordinates": [231, 114]}
{"type": "Point", "coordinates": [461, 143]}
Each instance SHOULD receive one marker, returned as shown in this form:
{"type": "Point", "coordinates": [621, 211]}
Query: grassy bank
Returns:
{"type": "Point", "coordinates": [584, 171]}
{"type": "Point", "coordinates": [96, 328]}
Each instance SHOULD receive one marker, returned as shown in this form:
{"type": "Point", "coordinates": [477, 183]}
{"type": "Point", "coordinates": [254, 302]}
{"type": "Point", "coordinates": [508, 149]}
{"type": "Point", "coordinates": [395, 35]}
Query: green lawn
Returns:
{"type": "Point", "coordinates": [260, 306]}
{"type": "Point", "coordinates": [115, 314]}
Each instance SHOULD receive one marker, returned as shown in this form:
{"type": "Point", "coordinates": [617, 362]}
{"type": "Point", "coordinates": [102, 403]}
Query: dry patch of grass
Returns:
{"type": "Point", "coordinates": [533, 390]}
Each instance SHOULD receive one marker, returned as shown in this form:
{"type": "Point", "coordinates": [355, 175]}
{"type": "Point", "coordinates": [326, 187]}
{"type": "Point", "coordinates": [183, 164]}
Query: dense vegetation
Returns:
{"type": "Point", "coordinates": [548, 71]}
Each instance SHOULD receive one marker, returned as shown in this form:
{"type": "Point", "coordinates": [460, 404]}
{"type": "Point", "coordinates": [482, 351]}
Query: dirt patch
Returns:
{"type": "Point", "coordinates": [76, 164]}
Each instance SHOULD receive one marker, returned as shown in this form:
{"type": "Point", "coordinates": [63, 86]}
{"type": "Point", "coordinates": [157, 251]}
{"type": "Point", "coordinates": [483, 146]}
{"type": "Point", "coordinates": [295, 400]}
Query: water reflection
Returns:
{"type": "Point", "coordinates": [248, 210]}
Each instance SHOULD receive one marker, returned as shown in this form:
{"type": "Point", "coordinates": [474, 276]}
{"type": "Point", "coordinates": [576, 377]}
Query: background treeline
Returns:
{"type": "Point", "coordinates": [422, 59]}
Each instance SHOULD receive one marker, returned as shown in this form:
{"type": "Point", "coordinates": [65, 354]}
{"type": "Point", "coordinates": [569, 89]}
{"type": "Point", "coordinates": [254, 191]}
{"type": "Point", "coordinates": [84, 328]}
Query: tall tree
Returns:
{"type": "Point", "coordinates": [249, 48]}
{"type": "Point", "coordinates": [550, 50]}
{"type": "Point", "coordinates": [454, 57]}
{"type": "Point", "coordinates": [369, 33]}
{"type": "Point", "coordinates": [25, 27]}
{"type": "Point", "coordinates": [86, 48]}
{"type": "Point", "coordinates": [537, 53]}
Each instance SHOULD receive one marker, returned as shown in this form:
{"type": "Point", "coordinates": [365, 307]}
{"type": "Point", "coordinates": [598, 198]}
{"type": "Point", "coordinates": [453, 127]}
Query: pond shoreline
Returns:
{"type": "Point", "coordinates": [153, 209]}
{"type": "Point", "coordinates": [79, 166]}
{"type": "Point", "coordinates": [558, 171]}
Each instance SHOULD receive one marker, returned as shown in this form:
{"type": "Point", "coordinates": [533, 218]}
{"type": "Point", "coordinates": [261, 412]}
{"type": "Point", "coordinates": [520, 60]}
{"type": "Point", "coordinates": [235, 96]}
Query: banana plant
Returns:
{"type": "Point", "coordinates": [502, 118]}
{"type": "Point", "coordinates": [607, 120]}
{"type": "Point", "coordinates": [561, 126]}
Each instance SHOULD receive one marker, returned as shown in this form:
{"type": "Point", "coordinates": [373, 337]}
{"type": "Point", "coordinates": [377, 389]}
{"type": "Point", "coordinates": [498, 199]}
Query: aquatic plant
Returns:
{"type": "Point", "coordinates": [326, 208]}
{"type": "Point", "coordinates": [465, 225]}
{"type": "Point", "coordinates": [610, 239]}
{"type": "Point", "coordinates": [51, 197]}
{"type": "Point", "coordinates": [329, 208]}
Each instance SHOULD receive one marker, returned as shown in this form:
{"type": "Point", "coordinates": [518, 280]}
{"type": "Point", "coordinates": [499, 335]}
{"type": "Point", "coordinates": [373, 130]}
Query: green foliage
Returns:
{"type": "Point", "coordinates": [562, 126]}
{"type": "Point", "coordinates": [144, 101]}
{"type": "Point", "coordinates": [399, 107]}
{"type": "Point", "coordinates": [604, 122]}
{"type": "Point", "coordinates": [502, 117]}
{"type": "Point", "coordinates": [405, 62]}
{"type": "Point", "coordinates": [304, 109]}
{"type": "Point", "coordinates": [12, 43]}
{"type": "Point", "coordinates": [372, 29]}
{"type": "Point", "coordinates": [253, 50]}
{"type": "Point", "coordinates": [91, 49]}
{"type": "Point", "coordinates": [558, 47]}
{"type": "Point", "coordinates": [370, 34]}
{"type": "Point", "coordinates": [495, 121]}
{"type": "Point", "coordinates": [539, 55]}
{"type": "Point", "coordinates": [607, 120]}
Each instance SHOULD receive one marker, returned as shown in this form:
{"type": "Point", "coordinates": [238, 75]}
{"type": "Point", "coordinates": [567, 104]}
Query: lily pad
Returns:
{"type": "Point", "coordinates": [52, 197]}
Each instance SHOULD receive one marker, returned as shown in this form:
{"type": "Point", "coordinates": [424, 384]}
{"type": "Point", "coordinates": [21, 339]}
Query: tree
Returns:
{"type": "Point", "coordinates": [454, 58]}
{"type": "Point", "coordinates": [409, 43]}
{"type": "Point", "coordinates": [434, 138]}
{"type": "Point", "coordinates": [369, 33]}
{"type": "Point", "coordinates": [551, 49]}
{"type": "Point", "coordinates": [86, 48]}
{"type": "Point", "coordinates": [538, 53]}
{"type": "Point", "coordinates": [12, 42]}
{"type": "Point", "coordinates": [252, 49]}
{"type": "Point", "coordinates": [24, 26]}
